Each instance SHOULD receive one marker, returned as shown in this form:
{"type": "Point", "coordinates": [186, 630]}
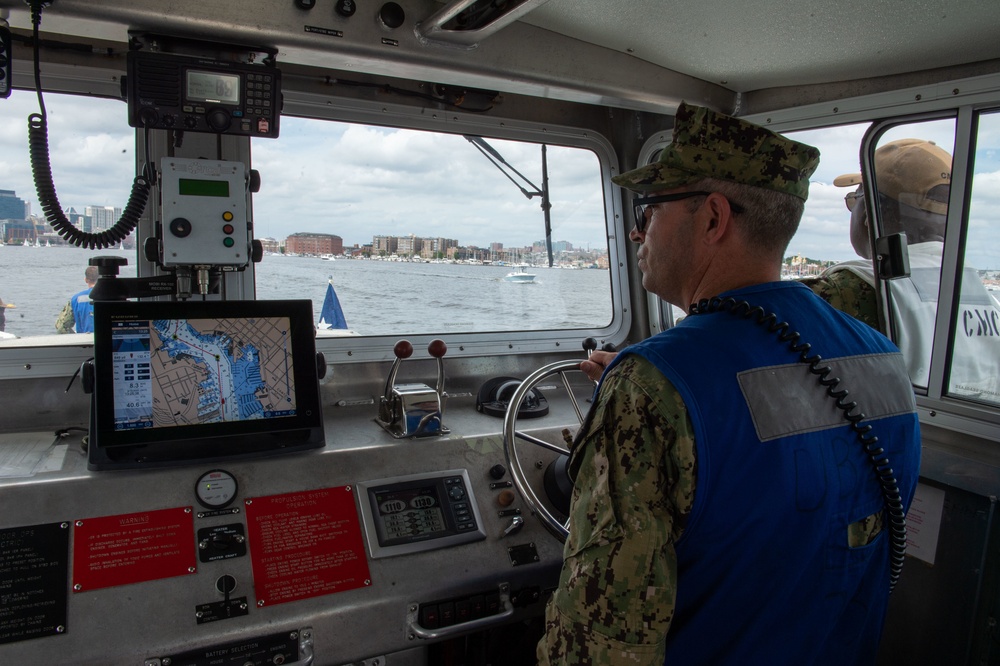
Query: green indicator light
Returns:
{"type": "Point", "coordinates": [228, 242]}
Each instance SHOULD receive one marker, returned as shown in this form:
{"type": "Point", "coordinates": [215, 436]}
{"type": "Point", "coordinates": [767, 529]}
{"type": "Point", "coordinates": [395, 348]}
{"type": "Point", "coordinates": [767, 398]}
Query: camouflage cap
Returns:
{"type": "Point", "coordinates": [707, 144]}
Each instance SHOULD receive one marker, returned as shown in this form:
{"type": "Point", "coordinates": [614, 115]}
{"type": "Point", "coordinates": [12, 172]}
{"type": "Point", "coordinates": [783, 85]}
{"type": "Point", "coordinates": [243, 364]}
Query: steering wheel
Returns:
{"type": "Point", "coordinates": [558, 528]}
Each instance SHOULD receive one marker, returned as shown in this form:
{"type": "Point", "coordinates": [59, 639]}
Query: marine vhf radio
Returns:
{"type": "Point", "coordinates": [202, 224]}
{"type": "Point", "coordinates": [202, 87]}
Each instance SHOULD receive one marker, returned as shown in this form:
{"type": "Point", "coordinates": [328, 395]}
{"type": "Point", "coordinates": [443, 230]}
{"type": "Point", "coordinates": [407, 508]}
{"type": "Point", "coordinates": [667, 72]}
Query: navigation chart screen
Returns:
{"type": "Point", "coordinates": [180, 372]}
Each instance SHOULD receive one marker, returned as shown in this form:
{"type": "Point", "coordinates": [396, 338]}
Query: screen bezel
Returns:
{"type": "Point", "coordinates": [110, 447]}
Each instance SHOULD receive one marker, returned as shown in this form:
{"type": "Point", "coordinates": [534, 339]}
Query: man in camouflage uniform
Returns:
{"type": "Point", "coordinates": [722, 510]}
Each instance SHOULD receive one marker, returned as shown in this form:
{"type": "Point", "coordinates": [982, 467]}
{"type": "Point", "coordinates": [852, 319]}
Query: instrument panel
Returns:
{"type": "Point", "coordinates": [370, 547]}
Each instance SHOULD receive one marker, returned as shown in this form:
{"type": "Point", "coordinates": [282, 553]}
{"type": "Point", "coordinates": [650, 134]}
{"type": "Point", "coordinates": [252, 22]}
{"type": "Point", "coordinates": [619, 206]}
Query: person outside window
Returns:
{"type": "Point", "coordinates": [913, 177]}
{"type": "Point", "coordinates": [78, 314]}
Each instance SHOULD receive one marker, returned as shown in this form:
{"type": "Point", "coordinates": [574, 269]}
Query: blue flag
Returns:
{"type": "Point", "coordinates": [332, 315]}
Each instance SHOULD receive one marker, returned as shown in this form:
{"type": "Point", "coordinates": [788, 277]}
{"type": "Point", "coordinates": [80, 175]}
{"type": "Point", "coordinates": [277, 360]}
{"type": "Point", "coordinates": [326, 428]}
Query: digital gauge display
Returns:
{"type": "Point", "coordinates": [212, 87]}
{"type": "Point", "coordinates": [410, 513]}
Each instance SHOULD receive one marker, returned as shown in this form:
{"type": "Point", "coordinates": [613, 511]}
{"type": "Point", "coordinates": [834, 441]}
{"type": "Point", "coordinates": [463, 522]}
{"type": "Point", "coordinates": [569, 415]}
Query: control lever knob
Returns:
{"type": "Point", "coordinates": [516, 523]}
{"type": "Point", "coordinates": [403, 349]}
{"type": "Point", "coordinates": [437, 348]}
{"type": "Point", "coordinates": [589, 345]}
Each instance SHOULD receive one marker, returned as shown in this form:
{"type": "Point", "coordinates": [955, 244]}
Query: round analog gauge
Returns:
{"type": "Point", "coordinates": [216, 489]}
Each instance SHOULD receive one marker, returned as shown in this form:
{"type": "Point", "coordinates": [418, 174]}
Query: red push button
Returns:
{"type": "Point", "coordinates": [227, 228]}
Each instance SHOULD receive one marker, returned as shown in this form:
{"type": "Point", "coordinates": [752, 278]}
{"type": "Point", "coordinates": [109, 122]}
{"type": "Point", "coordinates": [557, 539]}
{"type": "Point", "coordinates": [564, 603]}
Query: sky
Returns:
{"type": "Point", "coordinates": [358, 181]}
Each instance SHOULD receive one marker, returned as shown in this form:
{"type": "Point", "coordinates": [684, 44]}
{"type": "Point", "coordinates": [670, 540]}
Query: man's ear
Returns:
{"type": "Point", "coordinates": [718, 218]}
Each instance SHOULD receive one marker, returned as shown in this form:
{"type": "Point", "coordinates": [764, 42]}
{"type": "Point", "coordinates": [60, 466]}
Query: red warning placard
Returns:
{"type": "Point", "coordinates": [132, 548]}
{"type": "Point", "coordinates": [305, 545]}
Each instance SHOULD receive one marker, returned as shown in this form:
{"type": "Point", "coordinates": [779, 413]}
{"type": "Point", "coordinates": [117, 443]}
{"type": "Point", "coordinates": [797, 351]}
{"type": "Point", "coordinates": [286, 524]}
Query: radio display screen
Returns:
{"type": "Point", "coordinates": [212, 87]}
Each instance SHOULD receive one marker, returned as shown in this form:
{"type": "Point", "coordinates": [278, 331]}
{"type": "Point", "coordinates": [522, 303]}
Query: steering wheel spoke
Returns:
{"type": "Point", "coordinates": [533, 496]}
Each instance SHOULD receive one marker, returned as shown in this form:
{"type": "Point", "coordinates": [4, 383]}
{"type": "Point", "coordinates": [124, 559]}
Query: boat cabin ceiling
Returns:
{"type": "Point", "coordinates": [284, 543]}
{"type": "Point", "coordinates": [644, 54]}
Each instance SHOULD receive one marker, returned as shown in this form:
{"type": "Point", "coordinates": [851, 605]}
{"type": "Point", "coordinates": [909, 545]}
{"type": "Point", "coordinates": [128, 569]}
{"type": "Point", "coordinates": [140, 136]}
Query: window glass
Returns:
{"type": "Point", "coordinates": [912, 167]}
{"type": "Point", "coordinates": [417, 232]}
{"type": "Point", "coordinates": [833, 253]}
{"type": "Point", "coordinates": [91, 152]}
{"type": "Point", "coordinates": [976, 351]}
{"type": "Point", "coordinates": [422, 232]}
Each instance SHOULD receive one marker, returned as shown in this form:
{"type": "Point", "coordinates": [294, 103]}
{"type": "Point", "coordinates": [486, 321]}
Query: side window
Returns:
{"type": "Point", "coordinates": [912, 170]}
{"type": "Point", "coordinates": [975, 355]}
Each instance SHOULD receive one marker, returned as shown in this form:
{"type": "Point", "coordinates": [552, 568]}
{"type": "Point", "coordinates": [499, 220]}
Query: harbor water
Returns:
{"type": "Point", "coordinates": [378, 297]}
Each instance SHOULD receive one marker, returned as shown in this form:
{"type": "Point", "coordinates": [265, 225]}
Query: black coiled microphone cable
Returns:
{"type": "Point", "coordinates": [41, 169]}
{"type": "Point", "coordinates": [883, 471]}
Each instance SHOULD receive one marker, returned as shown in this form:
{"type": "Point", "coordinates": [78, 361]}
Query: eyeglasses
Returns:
{"type": "Point", "coordinates": [639, 205]}
{"type": "Point", "coordinates": [851, 199]}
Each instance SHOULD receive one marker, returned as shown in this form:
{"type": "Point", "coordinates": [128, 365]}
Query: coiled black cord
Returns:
{"type": "Point", "coordinates": [41, 169]}
{"type": "Point", "coordinates": [883, 471]}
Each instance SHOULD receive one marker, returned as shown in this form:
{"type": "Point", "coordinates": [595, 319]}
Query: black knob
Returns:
{"type": "Point", "coordinates": [148, 116]}
{"type": "Point", "coordinates": [218, 119]}
{"type": "Point", "coordinates": [305, 4]}
{"type": "Point", "coordinates": [497, 472]}
{"type": "Point", "coordinates": [391, 15]}
{"type": "Point", "coordinates": [225, 584]}
{"type": "Point", "coordinates": [346, 8]}
{"type": "Point", "coordinates": [151, 249]}
{"type": "Point", "coordinates": [180, 227]}
{"type": "Point", "coordinates": [589, 344]}
{"type": "Point", "coordinates": [108, 264]}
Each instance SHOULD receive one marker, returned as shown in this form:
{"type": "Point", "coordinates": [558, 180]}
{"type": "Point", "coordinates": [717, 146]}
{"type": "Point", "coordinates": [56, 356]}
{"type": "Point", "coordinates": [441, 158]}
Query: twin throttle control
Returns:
{"type": "Point", "coordinates": [413, 410]}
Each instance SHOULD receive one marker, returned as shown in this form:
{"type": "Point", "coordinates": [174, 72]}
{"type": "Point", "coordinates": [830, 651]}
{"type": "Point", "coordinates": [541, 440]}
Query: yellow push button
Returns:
{"type": "Point", "coordinates": [227, 216]}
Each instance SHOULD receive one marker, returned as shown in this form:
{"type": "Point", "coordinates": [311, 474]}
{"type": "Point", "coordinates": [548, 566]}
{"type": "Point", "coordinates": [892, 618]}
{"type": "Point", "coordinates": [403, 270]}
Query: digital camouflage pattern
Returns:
{"type": "Point", "coordinates": [848, 292]}
{"type": "Point", "coordinates": [633, 462]}
{"type": "Point", "coordinates": [66, 322]}
{"type": "Point", "coordinates": [710, 144]}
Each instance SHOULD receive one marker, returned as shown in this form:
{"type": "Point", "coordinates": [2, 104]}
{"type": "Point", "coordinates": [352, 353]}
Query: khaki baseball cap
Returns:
{"type": "Point", "coordinates": [708, 144]}
{"type": "Point", "coordinates": [907, 170]}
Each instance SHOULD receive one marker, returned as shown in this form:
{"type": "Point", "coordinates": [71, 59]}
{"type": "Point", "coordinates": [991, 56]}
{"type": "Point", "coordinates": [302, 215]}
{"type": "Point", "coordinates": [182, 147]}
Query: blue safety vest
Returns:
{"type": "Point", "coordinates": [83, 311]}
{"type": "Point", "coordinates": [765, 572]}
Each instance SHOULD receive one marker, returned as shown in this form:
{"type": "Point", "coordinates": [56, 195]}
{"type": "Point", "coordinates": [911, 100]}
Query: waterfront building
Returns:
{"type": "Point", "coordinates": [305, 242]}
{"type": "Point", "coordinates": [13, 207]}
{"type": "Point", "coordinates": [102, 218]}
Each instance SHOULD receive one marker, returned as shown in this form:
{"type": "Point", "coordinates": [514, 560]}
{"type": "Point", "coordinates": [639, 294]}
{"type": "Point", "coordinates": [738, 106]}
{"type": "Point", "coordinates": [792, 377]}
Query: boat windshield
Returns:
{"type": "Point", "coordinates": [416, 231]}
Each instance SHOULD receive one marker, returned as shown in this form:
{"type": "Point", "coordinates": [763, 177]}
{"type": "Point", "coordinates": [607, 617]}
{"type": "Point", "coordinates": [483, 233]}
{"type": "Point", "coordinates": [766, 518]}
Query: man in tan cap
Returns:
{"type": "Point", "coordinates": [913, 177]}
{"type": "Point", "coordinates": [722, 509]}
